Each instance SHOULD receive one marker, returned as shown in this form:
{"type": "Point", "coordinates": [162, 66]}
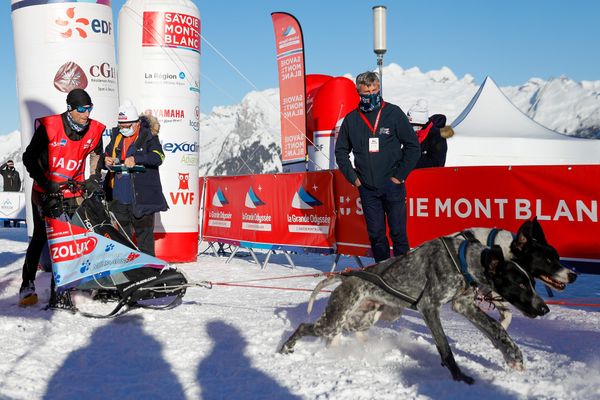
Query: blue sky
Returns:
{"type": "Point", "coordinates": [511, 40]}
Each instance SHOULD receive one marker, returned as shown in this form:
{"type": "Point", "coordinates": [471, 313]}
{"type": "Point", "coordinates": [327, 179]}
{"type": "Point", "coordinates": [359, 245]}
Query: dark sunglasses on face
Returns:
{"type": "Point", "coordinates": [82, 109]}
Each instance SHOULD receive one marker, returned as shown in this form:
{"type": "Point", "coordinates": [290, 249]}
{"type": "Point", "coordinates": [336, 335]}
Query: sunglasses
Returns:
{"type": "Point", "coordinates": [82, 109]}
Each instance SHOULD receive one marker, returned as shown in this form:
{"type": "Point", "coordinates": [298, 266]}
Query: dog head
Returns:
{"type": "Point", "coordinates": [513, 283]}
{"type": "Point", "coordinates": [532, 251]}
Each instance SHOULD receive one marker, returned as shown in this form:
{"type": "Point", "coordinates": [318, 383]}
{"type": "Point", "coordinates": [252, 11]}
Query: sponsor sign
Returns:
{"type": "Point", "coordinates": [12, 205]}
{"type": "Point", "coordinates": [171, 29]}
{"type": "Point", "coordinates": [282, 210]}
{"type": "Point", "coordinates": [441, 201]}
{"type": "Point", "coordinates": [79, 23]}
{"type": "Point", "coordinates": [292, 102]}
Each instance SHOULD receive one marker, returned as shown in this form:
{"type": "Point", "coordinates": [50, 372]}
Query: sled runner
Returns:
{"type": "Point", "coordinates": [90, 251]}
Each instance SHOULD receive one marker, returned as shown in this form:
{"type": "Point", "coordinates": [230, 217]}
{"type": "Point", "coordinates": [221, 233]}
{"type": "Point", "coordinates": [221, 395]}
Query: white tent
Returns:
{"type": "Point", "coordinates": [492, 131]}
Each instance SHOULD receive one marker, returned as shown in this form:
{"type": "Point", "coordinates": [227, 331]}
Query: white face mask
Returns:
{"type": "Point", "coordinates": [127, 132]}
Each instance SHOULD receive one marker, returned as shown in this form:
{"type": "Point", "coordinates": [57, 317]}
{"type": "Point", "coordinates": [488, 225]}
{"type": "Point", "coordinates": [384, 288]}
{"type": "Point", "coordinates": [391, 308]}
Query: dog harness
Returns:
{"type": "Point", "coordinates": [378, 281]}
{"type": "Point", "coordinates": [460, 259]}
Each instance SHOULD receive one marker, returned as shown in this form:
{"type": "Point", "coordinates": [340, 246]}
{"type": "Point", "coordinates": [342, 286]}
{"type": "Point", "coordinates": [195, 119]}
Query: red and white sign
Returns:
{"type": "Point", "coordinates": [290, 63]}
{"type": "Point", "coordinates": [441, 201]}
{"type": "Point", "coordinates": [293, 210]}
{"type": "Point", "coordinates": [72, 249]}
{"type": "Point", "coordinates": [171, 29]}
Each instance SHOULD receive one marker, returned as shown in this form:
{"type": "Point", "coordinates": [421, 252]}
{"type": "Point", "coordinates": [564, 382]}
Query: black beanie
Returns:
{"type": "Point", "coordinates": [78, 97]}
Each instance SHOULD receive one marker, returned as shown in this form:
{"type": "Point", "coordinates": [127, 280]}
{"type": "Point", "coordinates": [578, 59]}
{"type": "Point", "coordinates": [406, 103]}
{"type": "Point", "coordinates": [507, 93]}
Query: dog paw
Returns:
{"type": "Point", "coordinates": [286, 350]}
{"type": "Point", "coordinates": [463, 378]}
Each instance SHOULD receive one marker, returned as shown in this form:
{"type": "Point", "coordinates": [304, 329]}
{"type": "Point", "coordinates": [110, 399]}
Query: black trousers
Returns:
{"type": "Point", "coordinates": [143, 227]}
{"type": "Point", "coordinates": [387, 203]}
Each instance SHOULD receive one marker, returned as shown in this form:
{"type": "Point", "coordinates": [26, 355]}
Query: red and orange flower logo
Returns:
{"type": "Point", "coordinates": [72, 24]}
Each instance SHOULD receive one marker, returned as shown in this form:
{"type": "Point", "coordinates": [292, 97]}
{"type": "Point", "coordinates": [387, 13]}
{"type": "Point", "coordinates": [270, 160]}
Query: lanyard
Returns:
{"type": "Point", "coordinates": [371, 127]}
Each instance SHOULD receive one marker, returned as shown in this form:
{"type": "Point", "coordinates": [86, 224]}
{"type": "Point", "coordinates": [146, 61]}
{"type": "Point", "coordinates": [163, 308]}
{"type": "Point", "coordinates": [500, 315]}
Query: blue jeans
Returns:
{"type": "Point", "coordinates": [377, 204]}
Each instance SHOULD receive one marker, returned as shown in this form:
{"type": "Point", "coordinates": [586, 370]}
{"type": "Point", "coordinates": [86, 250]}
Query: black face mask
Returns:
{"type": "Point", "coordinates": [369, 102]}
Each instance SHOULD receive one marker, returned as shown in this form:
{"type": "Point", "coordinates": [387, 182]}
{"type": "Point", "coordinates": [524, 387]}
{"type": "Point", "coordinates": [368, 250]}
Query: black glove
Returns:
{"type": "Point", "coordinates": [51, 187]}
{"type": "Point", "coordinates": [92, 184]}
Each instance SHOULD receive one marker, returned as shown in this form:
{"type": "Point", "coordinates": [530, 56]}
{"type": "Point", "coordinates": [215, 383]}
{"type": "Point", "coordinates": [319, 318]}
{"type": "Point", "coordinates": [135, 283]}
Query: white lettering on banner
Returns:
{"type": "Point", "coordinates": [251, 226]}
{"type": "Point", "coordinates": [577, 210]}
{"type": "Point", "coordinates": [315, 219]}
{"type": "Point", "coordinates": [256, 217]}
{"type": "Point", "coordinates": [219, 215]}
{"type": "Point", "coordinates": [219, 223]}
{"type": "Point", "coordinates": [69, 165]}
{"type": "Point", "coordinates": [322, 229]}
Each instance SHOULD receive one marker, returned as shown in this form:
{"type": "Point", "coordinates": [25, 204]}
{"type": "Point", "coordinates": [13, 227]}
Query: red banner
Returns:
{"type": "Point", "coordinates": [441, 201]}
{"type": "Point", "coordinates": [171, 29]}
{"type": "Point", "coordinates": [272, 211]}
{"type": "Point", "coordinates": [290, 63]}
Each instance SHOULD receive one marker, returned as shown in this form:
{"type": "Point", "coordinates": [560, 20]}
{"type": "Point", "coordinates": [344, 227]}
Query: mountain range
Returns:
{"type": "Point", "coordinates": [244, 138]}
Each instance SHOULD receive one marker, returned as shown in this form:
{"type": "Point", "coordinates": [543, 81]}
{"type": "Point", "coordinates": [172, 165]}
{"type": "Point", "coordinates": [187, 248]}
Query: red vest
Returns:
{"type": "Point", "coordinates": [66, 157]}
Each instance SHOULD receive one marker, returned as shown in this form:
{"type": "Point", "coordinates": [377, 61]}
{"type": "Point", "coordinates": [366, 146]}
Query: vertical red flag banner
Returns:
{"type": "Point", "coordinates": [292, 102]}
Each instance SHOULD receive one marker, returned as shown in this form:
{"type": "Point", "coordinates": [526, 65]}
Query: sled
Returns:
{"type": "Point", "coordinates": [90, 251]}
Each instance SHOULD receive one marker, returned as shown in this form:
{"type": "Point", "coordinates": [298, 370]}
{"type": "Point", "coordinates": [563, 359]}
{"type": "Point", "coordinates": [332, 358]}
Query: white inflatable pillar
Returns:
{"type": "Point", "coordinates": [159, 70]}
{"type": "Point", "coordinates": [60, 46]}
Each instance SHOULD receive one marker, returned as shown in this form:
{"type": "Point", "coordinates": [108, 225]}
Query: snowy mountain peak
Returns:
{"type": "Point", "coordinates": [244, 138]}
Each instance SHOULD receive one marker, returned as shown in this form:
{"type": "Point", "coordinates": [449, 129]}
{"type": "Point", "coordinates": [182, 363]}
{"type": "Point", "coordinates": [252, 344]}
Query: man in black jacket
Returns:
{"type": "Point", "coordinates": [11, 182]}
{"type": "Point", "coordinates": [385, 151]}
{"type": "Point", "coordinates": [57, 152]}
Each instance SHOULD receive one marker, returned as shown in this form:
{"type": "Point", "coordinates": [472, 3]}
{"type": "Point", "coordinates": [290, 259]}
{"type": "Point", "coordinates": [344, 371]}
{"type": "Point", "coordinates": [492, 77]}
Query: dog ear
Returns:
{"type": "Point", "coordinates": [537, 232]}
{"type": "Point", "coordinates": [524, 234]}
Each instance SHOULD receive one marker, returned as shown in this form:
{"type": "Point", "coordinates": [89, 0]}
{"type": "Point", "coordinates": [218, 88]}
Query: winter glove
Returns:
{"type": "Point", "coordinates": [51, 187]}
{"type": "Point", "coordinates": [92, 184]}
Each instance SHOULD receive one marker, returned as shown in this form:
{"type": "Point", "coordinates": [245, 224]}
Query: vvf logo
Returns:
{"type": "Point", "coordinates": [304, 201]}
{"type": "Point", "coordinates": [252, 200]}
{"type": "Point", "coordinates": [183, 195]}
{"type": "Point", "coordinates": [219, 199]}
{"type": "Point", "coordinates": [75, 26]}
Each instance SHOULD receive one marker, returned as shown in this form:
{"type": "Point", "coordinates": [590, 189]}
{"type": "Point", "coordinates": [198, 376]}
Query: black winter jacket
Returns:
{"type": "Point", "coordinates": [147, 151]}
{"type": "Point", "coordinates": [398, 147]}
{"type": "Point", "coordinates": [11, 177]}
{"type": "Point", "coordinates": [434, 147]}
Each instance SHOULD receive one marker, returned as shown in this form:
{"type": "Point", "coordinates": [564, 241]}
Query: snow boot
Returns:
{"type": "Point", "coordinates": [27, 295]}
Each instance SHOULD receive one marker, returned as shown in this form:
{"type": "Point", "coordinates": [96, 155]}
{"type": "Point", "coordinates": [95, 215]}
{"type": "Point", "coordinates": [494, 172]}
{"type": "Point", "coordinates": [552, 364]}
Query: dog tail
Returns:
{"type": "Point", "coordinates": [323, 284]}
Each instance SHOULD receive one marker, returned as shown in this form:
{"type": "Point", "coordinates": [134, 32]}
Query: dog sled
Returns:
{"type": "Point", "coordinates": [90, 252]}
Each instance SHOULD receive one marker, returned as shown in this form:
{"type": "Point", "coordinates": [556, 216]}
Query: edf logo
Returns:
{"type": "Point", "coordinates": [74, 25]}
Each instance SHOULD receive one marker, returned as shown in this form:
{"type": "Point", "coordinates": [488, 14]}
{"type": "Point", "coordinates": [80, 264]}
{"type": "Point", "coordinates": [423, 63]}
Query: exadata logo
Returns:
{"type": "Point", "coordinates": [73, 25]}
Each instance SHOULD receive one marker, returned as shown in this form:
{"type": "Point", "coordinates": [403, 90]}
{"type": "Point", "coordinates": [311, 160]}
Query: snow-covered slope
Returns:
{"type": "Point", "coordinates": [245, 138]}
{"type": "Point", "coordinates": [222, 344]}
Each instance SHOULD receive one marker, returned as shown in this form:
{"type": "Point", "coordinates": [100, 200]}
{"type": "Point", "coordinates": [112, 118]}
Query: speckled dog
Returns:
{"type": "Point", "coordinates": [426, 278]}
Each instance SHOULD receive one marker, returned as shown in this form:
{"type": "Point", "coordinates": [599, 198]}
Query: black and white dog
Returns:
{"type": "Point", "coordinates": [425, 279]}
{"type": "Point", "coordinates": [530, 249]}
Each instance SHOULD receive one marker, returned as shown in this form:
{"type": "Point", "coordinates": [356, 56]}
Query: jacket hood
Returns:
{"type": "Point", "coordinates": [151, 122]}
{"type": "Point", "coordinates": [446, 132]}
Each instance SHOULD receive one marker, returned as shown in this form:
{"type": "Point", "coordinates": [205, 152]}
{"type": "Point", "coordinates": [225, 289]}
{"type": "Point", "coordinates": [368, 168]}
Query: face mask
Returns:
{"type": "Point", "coordinates": [369, 102]}
{"type": "Point", "coordinates": [127, 132]}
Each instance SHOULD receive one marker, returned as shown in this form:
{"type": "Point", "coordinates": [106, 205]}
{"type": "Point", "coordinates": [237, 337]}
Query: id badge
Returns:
{"type": "Point", "coordinates": [373, 145]}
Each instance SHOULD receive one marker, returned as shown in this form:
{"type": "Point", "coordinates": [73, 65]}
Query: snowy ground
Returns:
{"type": "Point", "coordinates": [221, 344]}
